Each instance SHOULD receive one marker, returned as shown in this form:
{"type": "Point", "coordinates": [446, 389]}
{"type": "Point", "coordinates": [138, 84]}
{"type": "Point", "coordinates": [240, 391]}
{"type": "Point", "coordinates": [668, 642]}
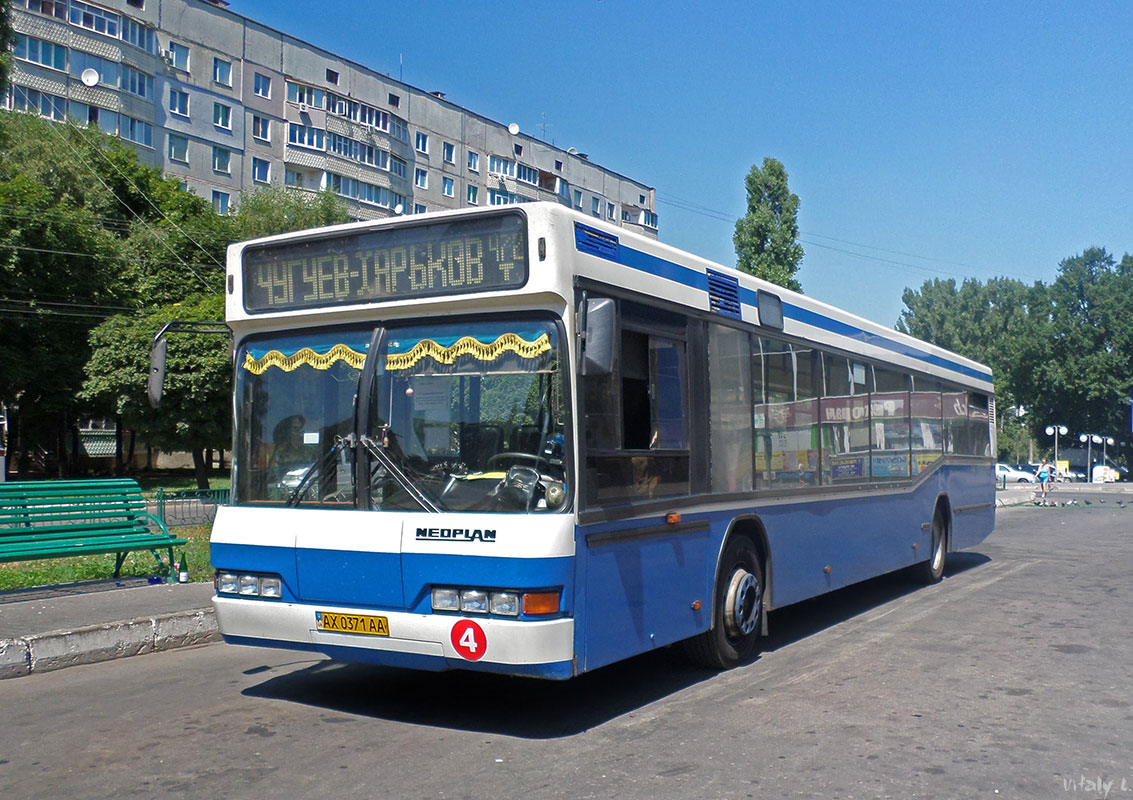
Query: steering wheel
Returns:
{"type": "Point", "coordinates": [499, 459]}
{"type": "Point", "coordinates": [517, 489]}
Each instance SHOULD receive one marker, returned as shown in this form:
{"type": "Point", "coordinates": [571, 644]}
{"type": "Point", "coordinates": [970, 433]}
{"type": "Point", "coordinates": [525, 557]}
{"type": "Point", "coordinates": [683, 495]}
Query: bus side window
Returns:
{"type": "Point", "coordinates": [636, 419]}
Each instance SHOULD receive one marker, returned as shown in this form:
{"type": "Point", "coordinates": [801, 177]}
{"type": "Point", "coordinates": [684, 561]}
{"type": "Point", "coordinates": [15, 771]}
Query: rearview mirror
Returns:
{"type": "Point", "coordinates": [157, 370]}
{"type": "Point", "coordinates": [598, 346]}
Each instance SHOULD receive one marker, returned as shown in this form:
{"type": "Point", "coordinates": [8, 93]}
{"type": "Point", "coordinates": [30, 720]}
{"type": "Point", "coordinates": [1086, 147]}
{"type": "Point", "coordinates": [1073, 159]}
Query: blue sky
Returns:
{"type": "Point", "coordinates": [954, 139]}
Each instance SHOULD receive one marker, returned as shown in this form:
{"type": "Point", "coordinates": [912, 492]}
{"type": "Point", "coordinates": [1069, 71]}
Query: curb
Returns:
{"type": "Point", "coordinates": [43, 652]}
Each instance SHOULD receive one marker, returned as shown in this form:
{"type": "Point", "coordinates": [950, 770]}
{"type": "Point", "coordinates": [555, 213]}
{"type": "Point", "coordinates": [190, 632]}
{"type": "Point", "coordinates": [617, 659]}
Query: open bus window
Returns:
{"type": "Point", "coordinates": [469, 417]}
{"type": "Point", "coordinates": [641, 450]}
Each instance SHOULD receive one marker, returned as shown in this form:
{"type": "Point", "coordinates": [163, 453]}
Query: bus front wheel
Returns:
{"type": "Point", "coordinates": [737, 610]}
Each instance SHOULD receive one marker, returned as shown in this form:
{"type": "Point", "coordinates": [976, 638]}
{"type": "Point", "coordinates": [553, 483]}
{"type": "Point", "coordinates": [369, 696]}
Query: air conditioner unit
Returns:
{"type": "Point", "coordinates": [167, 56]}
{"type": "Point", "coordinates": [302, 108]}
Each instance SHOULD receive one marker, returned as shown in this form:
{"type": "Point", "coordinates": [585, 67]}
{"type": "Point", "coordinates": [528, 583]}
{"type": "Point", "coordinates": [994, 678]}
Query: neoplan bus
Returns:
{"type": "Point", "coordinates": [524, 441]}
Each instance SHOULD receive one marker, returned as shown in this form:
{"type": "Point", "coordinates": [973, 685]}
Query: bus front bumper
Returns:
{"type": "Point", "coordinates": [542, 648]}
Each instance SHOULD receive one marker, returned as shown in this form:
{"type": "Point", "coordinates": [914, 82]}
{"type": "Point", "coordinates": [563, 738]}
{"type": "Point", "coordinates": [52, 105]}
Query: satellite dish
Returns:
{"type": "Point", "coordinates": [398, 209]}
{"type": "Point", "coordinates": [513, 128]}
{"type": "Point", "coordinates": [89, 77]}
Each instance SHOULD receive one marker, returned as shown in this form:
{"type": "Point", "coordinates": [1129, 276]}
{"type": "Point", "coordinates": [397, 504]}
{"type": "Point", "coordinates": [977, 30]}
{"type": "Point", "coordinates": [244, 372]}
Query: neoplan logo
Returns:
{"type": "Point", "coordinates": [457, 534]}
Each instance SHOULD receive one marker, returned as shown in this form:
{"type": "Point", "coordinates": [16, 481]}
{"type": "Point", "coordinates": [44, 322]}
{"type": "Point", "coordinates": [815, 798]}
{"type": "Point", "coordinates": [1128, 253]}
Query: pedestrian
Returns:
{"type": "Point", "coordinates": [1044, 477]}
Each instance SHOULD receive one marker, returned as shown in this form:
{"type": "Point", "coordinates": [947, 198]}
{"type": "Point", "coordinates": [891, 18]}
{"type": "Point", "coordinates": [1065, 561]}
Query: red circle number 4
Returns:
{"type": "Point", "coordinates": [469, 640]}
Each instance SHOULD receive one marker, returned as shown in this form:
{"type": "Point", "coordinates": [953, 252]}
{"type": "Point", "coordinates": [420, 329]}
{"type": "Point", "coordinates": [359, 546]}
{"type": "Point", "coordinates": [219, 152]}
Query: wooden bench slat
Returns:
{"type": "Point", "coordinates": [52, 519]}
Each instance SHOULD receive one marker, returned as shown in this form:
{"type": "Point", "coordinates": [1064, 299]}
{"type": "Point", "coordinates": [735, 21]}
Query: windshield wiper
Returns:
{"type": "Point", "coordinates": [317, 469]}
{"type": "Point", "coordinates": [376, 450]}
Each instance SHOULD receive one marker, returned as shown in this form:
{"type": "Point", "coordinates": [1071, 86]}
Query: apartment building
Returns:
{"type": "Point", "coordinates": [226, 105]}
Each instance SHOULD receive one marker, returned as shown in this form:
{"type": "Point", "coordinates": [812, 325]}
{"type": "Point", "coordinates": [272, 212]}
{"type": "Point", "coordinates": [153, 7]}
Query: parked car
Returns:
{"type": "Point", "coordinates": [1003, 472]}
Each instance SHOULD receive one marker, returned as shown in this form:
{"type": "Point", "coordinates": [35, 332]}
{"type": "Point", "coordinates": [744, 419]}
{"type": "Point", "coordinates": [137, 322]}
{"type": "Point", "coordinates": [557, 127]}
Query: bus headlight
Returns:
{"type": "Point", "coordinates": [249, 584]}
{"type": "Point", "coordinates": [474, 601]}
{"type": "Point", "coordinates": [446, 600]}
{"type": "Point", "coordinates": [504, 603]}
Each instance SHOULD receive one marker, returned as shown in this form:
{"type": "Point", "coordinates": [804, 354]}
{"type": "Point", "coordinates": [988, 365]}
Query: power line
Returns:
{"type": "Point", "coordinates": [720, 216]}
{"type": "Point", "coordinates": [62, 136]}
{"type": "Point", "coordinates": [146, 197]}
{"type": "Point", "coordinates": [102, 256]}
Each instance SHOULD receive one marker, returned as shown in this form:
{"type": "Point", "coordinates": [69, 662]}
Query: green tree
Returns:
{"type": "Point", "coordinates": [1083, 364]}
{"type": "Point", "coordinates": [60, 273]}
{"type": "Point", "coordinates": [274, 210]}
{"type": "Point", "coordinates": [767, 236]}
{"type": "Point", "coordinates": [6, 36]}
{"type": "Point", "coordinates": [196, 409]}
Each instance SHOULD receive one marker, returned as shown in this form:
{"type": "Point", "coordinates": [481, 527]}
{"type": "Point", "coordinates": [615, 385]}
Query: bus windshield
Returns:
{"type": "Point", "coordinates": [469, 415]}
{"type": "Point", "coordinates": [459, 417]}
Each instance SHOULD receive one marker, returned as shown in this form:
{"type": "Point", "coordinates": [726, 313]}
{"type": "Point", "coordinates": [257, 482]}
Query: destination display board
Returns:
{"type": "Point", "coordinates": [453, 256]}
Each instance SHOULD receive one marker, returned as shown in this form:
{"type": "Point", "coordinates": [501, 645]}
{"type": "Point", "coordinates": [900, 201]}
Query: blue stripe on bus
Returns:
{"type": "Point", "coordinates": [654, 265]}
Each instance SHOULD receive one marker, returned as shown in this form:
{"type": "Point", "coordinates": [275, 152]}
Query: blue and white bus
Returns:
{"type": "Point", "coordinates": [524, 441]}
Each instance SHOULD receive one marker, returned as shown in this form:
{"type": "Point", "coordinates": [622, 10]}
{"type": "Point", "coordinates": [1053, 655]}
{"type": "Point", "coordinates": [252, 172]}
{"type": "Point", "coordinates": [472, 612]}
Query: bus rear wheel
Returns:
{"type": "Point", "coordinates": [932, 571]}
{"type": "Point", "coordinates": [737, 610]}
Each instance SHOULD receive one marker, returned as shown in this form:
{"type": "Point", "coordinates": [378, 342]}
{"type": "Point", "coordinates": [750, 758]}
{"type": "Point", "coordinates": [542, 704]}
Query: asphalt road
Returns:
{"type": "Point", "coordinates": [1010, 679]}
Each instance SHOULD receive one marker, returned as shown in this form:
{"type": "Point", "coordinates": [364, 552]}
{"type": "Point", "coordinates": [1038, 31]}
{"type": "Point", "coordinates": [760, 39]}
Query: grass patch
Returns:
{"type": "Point", "coordinates": [140, 563]}
{"type": "Point", "coordinates": [179, 480]}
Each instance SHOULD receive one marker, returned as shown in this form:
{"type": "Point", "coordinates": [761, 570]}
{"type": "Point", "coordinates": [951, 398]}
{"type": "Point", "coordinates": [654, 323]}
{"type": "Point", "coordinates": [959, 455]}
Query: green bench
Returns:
{"type": "Point", "coordinates": [53, 519]}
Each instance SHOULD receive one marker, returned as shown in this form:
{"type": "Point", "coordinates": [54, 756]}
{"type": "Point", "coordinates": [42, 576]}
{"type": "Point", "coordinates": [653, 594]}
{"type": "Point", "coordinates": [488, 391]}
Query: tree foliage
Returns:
{"type": "Point", "coordinates": [89, 232]}
{"type": "Point", "coordinates": [6, 35]}
{"type": "Point", "coordinates": [1064, 352]}
{"type": "Point", "coordinates": [767, 236]}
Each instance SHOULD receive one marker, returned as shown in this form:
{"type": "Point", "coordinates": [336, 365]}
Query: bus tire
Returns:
{"type": "Point", "coordinates": [737, 610]}
{"type": "Point", "coordinates": [931, 571]}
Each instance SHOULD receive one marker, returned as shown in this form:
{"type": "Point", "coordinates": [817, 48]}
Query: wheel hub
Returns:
{"type": "Point", "coordinates": [741, 606]}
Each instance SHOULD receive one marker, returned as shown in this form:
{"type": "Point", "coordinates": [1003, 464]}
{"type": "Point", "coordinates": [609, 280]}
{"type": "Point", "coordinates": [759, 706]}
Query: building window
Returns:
{"type": "Point", "coordinates": [40, 52]}
{"type": "Point", "coordinates": [527, 174]}
{"type": "Point", "coordinates": [139, 35]}
{"type": "Point", "coordinates": [222, 71]}
{"type": "Point", "coordinates": [261, 170]}
{"type": "Point", "coordinates": [220, 202]}
{"type": "Point", "coordinates": [422, 143]}
{"type": "Point", "coordinates": [47, 105]}
{"type": "Point", "coordinates": [518, 148]}
{"type": "Point", "coordinates": [261, 85]}
{"type": "Point", "coordinates": [419, 208]}
{"type": "Point", "coordinates": [178, 148]}
{"type": "Point", "coordinates": [137, 82]}
{"type": "Point", "coordinates": [178, 102]}
{"type": "Point", "coordinates": [293, 178]}
{"type": "Point", "coordinates": [595, 206]}
{"type": "Point", "coordinates": [305, 136]}
{"type": "Point", "coordinates": [332, 77]}
{"type": "Point", "coordinates": [222, 116]}
{"type": "Point", "coordinates": [179, 56]}
{"type": "Point", "coordinates": [394, 100]}
{"type": "Point", "coordinates": [107, 70]}
{"type": "Point", "coordinates": [501, 166]}
{"type": "Point", "coordinates": [50, 8]}
{"type": "Point", "coordinates": [136, 131]}
{"type": "Point", "coordinates": [306, 95]}
{"type": "Point", "coordinates": [558, 166]}
{"type": "Point", "coordinates": [448, 187]}
{"type": "Point", "coordinates": [578, 199]}
{"type": "Point", "coordinates": [448, 152]}
{"type": "Point", "coordinates": [261, 128]}
{"type": "Point", "coordinates": [136, 3]}
{"type": "Point", "coordinates": [473, 162]}
{"type": "Point", "coordinates": [398, 167]}
{"type": "Point", "coordinates": [609, 211]}
{"type": "Point", "coordinates": [641, 198]}
{"type": "Point", "coordinates": [473, 195]}
{"type": "Point", "coordinates": [94, 19]}
{"type": "Point", "coordinates": [421, 178]}
{"type": "Point", "coordinates": [221, 159]}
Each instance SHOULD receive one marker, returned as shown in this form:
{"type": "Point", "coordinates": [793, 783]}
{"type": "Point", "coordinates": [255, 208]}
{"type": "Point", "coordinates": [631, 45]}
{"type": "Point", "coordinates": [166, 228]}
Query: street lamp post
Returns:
{"type": "Point", "coordinates": [1090, 439]}
{"type": "Point", "coordinates": [1054, 430]}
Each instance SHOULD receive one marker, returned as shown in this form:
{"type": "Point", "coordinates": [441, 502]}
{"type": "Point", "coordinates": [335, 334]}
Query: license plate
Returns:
{"type": "Point", "coordinates": [366, 624]}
